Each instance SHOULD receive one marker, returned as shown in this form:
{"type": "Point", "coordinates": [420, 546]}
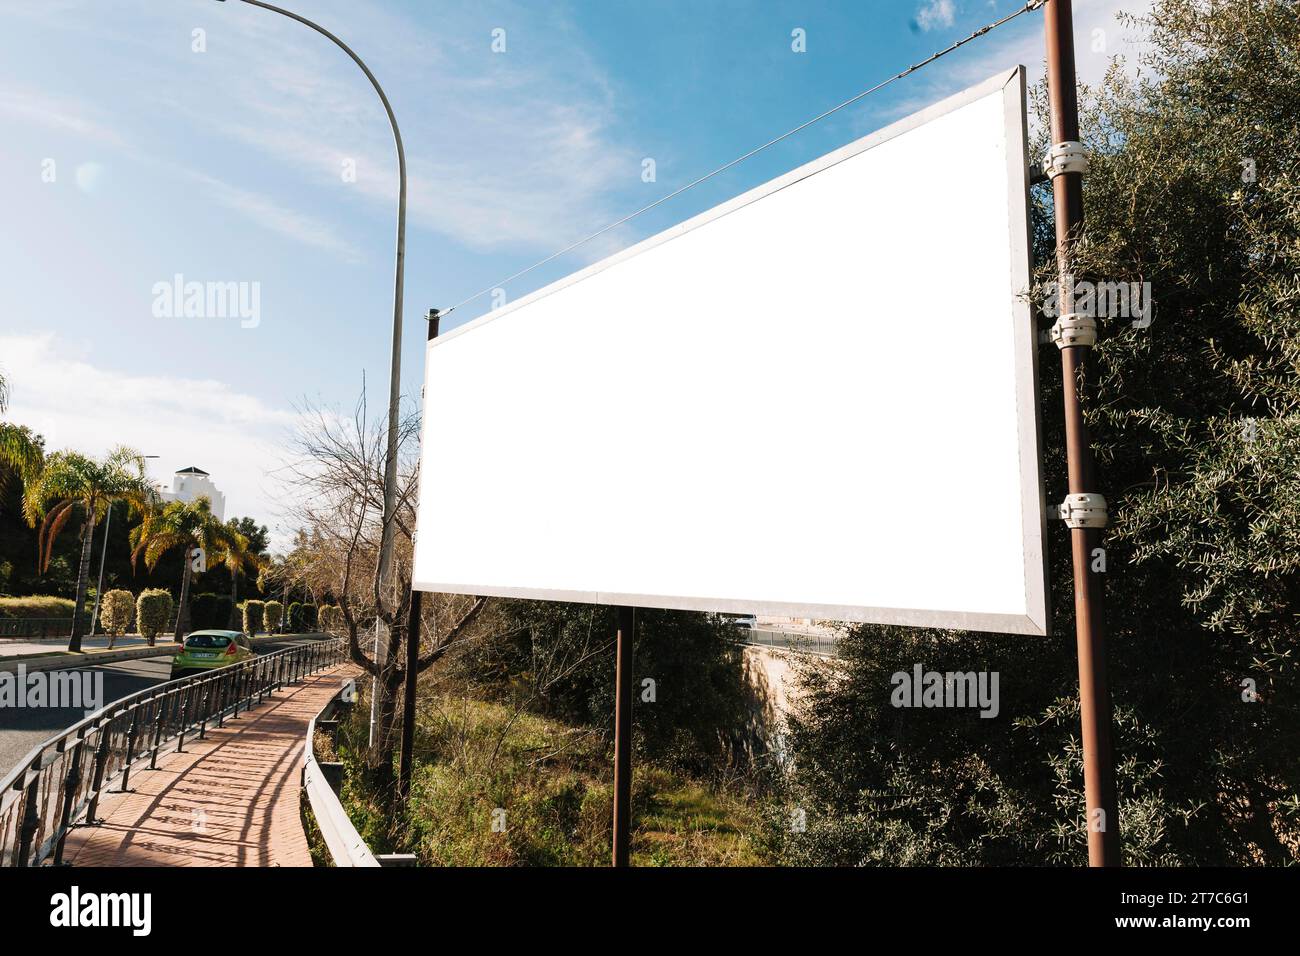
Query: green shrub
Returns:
{"type": "Point", "coordinates": [702, 703]}
{"type": "Point", "coordinates": [293, 622]}
{"type": "Point", "coordinates": [36, 606]}
{"type": "Point", "coordinates": [272, 614]}
{"type": "Point", "coordinates": [253, 617]}
{"type": "Point", "coordinates": [225, 606]}
{"type": "Point", "coordinates": [117, 613]}
{"type": "Point", "coordinates": [210, 611]}
{"type": "Point", "coordinates": [153, 612]}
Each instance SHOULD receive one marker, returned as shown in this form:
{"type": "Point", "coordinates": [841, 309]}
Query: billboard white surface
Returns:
{"type": "Point", "coordinates": [816, 400]}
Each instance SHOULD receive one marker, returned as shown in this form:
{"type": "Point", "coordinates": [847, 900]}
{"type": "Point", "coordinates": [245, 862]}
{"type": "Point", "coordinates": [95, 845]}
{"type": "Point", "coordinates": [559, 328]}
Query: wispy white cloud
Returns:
{"type": "Point", "coordinates": [78, 117]}
{"type": "Point", "coordinates": [512, 149]}
{"type": "Point", "coordinates": [65, 114]}
{"type": "Point", "coordinates": [58, 390]}
{"type": "Point", "coordinates": [936, 14]}
{"type": "Point", "coordinates": [515, 149]}
{"type": "Point", "coordinates": [272, 215]}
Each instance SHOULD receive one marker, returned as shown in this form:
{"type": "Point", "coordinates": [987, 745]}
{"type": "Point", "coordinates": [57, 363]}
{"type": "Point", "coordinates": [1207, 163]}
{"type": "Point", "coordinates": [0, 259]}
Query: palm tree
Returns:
{"type": "Point", "coordinates": [189, 525]}
{"type": "Point", "coordinates": [20, 449]}
{"type": "Point", "coordinates": [236, 555]}
{"type": "Point", "coordinates": [71, 483]}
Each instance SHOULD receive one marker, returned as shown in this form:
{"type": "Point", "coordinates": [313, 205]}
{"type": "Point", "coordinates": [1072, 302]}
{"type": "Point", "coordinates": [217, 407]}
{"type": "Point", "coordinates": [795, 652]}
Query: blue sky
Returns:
{"type": "Point", "coordinates": [227, 164]}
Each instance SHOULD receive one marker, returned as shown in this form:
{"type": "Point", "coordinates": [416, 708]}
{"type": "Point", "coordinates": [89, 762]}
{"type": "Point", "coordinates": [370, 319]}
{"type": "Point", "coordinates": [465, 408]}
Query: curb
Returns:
{"type": "Point", "coordinates": [85, 658]}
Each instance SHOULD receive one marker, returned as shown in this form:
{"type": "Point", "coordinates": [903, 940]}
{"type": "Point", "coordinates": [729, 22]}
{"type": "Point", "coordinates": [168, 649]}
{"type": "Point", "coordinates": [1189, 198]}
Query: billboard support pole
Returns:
{"type": "Point", "coordinates": [1095, 715]}
{"type": "Point", "coordinates": [623, 737]}
{"type": "Point", "coordinates": [406, 760]}
{"type": "Point", "coordinates": [412, 658]}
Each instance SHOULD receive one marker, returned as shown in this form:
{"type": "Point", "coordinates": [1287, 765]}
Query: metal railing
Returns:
{"type": "Point", "coordinates": [801, 643]}
{"type": "Point", "coordinates": [61, 781]}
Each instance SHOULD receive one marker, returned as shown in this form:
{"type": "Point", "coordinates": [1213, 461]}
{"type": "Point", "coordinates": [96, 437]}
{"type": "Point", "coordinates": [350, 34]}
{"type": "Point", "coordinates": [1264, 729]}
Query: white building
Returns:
{"type": "Point", "coordinates": [190, 483]}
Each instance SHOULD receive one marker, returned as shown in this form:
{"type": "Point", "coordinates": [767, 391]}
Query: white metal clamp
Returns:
{"type": "Point", "coordinates": [1072, 329]}
{"type": "Point", "coordinates": [1083, 510]}
{"type": "Point", "coordinates": [1067, 157]}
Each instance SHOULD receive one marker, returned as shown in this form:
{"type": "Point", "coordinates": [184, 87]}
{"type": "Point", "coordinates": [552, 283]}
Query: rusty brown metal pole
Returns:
{"type": "Point", "coordinates": [1090, 625]}
{"type": "Point", "coordinates": [406, 761]}
{"type": "Point", "coordinates": [623, 739]}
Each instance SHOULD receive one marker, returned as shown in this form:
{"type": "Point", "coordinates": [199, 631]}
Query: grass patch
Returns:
{"type": "Point", "coordinates": [320, 853]}
{"type": "Point", "coordinates": [685, 823]}
{"type": "Point", "coordinates": [493, 786]}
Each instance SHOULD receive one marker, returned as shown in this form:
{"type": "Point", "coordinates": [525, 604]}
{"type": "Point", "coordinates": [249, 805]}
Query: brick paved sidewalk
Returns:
{"type": "Point", "coordinates": [229, 800]}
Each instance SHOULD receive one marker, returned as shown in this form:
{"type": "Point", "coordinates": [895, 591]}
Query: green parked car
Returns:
{"type": "Point", "coordinates": [205, 650]}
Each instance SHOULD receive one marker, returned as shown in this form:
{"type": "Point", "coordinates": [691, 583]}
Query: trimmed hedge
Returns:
{"type": "Point", "coordinates": [117, 612]}
{"type": "Point", "coordinates": [37, 605]}
{"type": "Point", "coordinates": [273, 616]}
{"type": "Point", "coordinates": [153, 612]}
{"type": "Point", "coordinates": [253, 617]}
{"type": "Point", "coordinates": [293, 623]}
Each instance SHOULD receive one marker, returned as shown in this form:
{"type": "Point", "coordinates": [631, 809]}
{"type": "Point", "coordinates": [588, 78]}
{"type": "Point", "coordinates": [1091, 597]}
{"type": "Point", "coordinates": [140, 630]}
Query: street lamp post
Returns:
{"type": "Point", "coordinates": [383, 584]}
{"type": "Point", "coordinates": [99, 588]}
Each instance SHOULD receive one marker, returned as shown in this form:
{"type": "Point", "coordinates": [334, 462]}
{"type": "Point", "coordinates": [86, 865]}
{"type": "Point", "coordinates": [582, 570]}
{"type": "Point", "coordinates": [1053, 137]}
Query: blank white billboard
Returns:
{"type": "Point", "coordinates": [816, 400]}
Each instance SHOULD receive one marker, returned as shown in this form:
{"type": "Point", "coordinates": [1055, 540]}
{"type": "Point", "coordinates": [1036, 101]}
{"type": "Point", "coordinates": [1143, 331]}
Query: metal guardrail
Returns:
{"type": "Point", "coordinates": [61, 780]}
{"type": "Point", "coordinates": [346, 846]}
{"type": "Point", "coordinates": [790, 641]}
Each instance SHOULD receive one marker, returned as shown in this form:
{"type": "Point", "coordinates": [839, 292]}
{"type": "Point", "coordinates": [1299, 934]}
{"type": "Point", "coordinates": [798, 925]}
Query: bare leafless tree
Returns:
{"type": "Point", "coordinates": [334, 481]}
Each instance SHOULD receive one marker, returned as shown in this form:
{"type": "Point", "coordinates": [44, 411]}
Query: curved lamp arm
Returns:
{"type": "Point", "coordinates": [395, 373]}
